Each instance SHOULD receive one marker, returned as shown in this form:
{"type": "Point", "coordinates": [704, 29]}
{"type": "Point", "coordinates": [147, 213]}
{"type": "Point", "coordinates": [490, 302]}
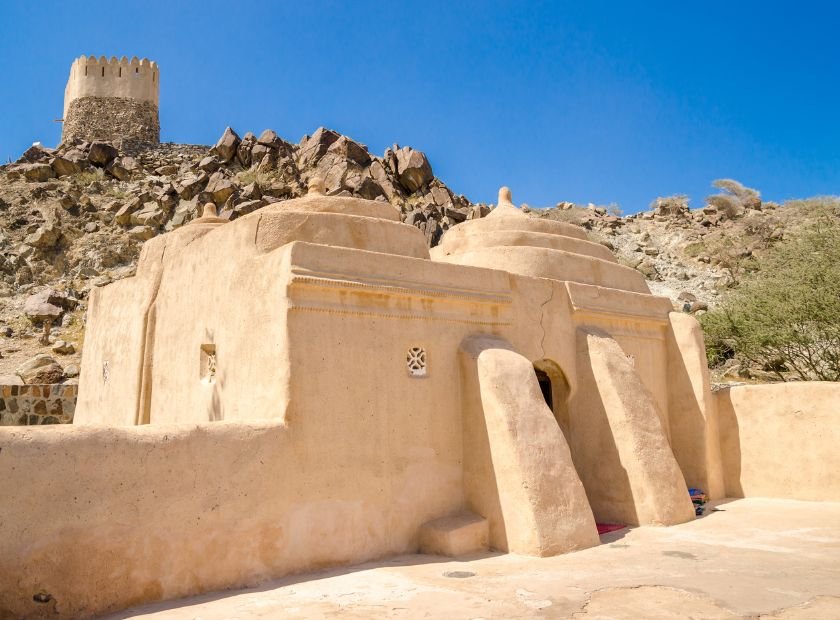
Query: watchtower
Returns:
{"type": "Point", "coordinates": [112, 100]}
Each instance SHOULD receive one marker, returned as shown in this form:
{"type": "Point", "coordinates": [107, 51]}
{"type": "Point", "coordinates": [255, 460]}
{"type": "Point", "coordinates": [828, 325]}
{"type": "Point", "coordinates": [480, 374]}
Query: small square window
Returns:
{"type": "Point", "coordinates": [207, 368]}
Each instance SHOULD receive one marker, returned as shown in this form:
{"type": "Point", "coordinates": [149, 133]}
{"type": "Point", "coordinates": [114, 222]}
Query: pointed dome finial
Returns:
{"type": "Point", "coordinates": [316, 186]}
{"type": "Point", "coordinates": [505, 197]}
{"type": "Point", "coordinates": [504, 206]}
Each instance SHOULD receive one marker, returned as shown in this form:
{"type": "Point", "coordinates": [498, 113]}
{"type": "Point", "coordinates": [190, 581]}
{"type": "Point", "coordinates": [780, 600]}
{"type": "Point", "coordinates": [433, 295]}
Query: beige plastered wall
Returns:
{"type": "Point", "coordinates": [191, 295]}
{"type": "Point", "coordinates": [155, 512]}
{"type": "Point", "coordinates": [113, 362]}
{"type": "Point", "coordinates": [693, 414]}
{"type": "Point", "coordinates": [311, 316]}
{"type": "Point", "coordinates": [365, 456]}
{"type": "Point", "coordinates": [781, 440]}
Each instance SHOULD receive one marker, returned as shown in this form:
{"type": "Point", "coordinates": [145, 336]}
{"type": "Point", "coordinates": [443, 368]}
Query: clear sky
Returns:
{"type": "Point", "coordinates": [584, 101]}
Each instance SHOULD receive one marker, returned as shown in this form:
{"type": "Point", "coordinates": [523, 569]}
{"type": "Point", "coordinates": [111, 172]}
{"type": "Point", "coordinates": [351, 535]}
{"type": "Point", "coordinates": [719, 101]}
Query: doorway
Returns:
{"type": "Point", "coordinates": [555, 391]}
{"type": "Point", "coordinates": [545, 387]}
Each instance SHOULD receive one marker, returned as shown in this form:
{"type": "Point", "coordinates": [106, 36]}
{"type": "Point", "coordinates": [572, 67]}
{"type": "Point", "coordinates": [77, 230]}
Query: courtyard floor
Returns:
{"type": "Point", "coordinates": [748, 558]}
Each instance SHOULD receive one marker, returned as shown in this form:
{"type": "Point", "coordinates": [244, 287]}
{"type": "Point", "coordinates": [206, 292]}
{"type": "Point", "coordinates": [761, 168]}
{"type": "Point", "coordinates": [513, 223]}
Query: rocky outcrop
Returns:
{"type": "Point", "coordinates": [75, 217]}
{"type": "Point", "coordinates": [226, 146]}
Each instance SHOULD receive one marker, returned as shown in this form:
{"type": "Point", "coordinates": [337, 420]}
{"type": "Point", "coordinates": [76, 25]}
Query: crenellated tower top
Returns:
{"type": "Point", "coordinates": [101, 77]}
{"type": "Point", "coordinates": [112, 99]}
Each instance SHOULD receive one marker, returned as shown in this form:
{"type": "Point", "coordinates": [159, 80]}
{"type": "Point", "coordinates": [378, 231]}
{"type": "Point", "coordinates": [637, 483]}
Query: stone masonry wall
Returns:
{"type": "Point", "coordinates": [30, 405]}
{"type": "Point", "coordinates": [121, 121]}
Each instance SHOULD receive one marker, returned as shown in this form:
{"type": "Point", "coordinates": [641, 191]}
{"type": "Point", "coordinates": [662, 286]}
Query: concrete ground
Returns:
{"type": "Point", "coordinates": [749, 558]}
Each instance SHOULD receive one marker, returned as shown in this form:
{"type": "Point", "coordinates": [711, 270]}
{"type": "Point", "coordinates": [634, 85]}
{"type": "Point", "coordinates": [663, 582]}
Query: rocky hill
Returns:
{"type": "Point", "coordinates": [696, 257]}
{"type": "Point", "coordinates": [75, 218]}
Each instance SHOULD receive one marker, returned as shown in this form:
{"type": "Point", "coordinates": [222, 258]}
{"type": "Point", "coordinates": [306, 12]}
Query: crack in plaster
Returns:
{"type": "Point", "coordinates": [542, 318]}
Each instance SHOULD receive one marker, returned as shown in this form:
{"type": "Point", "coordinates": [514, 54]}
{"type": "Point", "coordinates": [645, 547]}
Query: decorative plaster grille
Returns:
{"type": "Point", "coordinates": [416, 362]}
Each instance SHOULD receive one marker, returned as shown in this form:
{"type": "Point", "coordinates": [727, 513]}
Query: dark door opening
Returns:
{"type": "Point", "coordinates": [545, 387]}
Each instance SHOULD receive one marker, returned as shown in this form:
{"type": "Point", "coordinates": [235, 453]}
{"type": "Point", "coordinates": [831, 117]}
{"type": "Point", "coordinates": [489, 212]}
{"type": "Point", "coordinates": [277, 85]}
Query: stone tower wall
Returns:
{"type": "Point", "coordinates": [113, 100]}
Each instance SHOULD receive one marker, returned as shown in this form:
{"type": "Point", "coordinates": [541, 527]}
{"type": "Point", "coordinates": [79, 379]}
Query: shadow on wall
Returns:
{"type": "Point", "coordinates": [481, 490]}
{"type": "Point", "coordinates": [730, 444]}
{"type": "Point", "coordinates": [688, 425]}
{"type": "Point", "coordinates": [692, 408]}
{"type": "Point", "coordinates": [595, 453]}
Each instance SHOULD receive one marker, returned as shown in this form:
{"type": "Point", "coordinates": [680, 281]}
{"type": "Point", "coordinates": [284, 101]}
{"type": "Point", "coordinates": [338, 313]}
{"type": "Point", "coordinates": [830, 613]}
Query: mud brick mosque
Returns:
{"type": "Point", "coordinates": [310, 386]}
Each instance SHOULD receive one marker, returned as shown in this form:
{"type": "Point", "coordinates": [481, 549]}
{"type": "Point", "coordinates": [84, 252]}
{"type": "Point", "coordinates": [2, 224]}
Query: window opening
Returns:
{"type": "Point", "coordinates": [415, 361]}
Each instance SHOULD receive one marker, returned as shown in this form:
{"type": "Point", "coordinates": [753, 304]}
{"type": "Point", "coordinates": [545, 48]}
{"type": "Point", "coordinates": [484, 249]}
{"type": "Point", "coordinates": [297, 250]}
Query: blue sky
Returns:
{"type": "Point", "coordinates": [584, 101]}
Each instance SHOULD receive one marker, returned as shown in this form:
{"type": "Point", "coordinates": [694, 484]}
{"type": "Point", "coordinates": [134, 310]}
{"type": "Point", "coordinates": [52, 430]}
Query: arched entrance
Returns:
{"type": "Point", "coordinates": [555, 391]}
{"type": "Point", "coordinates": [545, 387]}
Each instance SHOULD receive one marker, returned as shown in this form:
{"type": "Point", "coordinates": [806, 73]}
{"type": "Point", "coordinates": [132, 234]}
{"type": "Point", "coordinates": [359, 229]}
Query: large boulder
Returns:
{"type": "Point", "coordinates": [45, 237]}
{"type": "Point", "coordinates": [141, 233]}
{"type": "Point", "coordinates": [243, 151]}
{"type": "Point", "coordinates": [40, 369]}
{"type": "Point", "coordinates": [270, 139]}
{"type": "Point", "coordinates": [123, 215]}
{"type": "Point", "coordinates": [226, 147]}
{"type": "Point", "coordinates": [220, 187]}
{"type": "Point", "coordinates": [380, 175]}
{"type": "Point", "coordinates": [209, 164]}
{"type": "Point", "coordinates": [351, 151]}
{"type": "Point", "coordinates": [149, 215]}
{"type": "Point", "coordinates": [37, 172]}
{"type": "Point", "coordinates": [48, 304]}
{"type": "Point", "coordinates": [63, 347]}
{"type": "Point", "coordinates": [258, 152]}
{"type": "Point", "coordinates": [130, 164]}
{"type": "Point", "coordinates": [101, 154]}
{"type": "Point", "coordinates": [315, 147]}
{"type": "Point", "coordinates": [367, 188]}
{"type": "Point", "coordinates": [334, 179]}
{"type": "Point", "coordinates": [76, 156]}
{"type": "Point", "coordinates": [413, 169]}
{"type": "Point", "coordinates": [39, 309]}
{"type": "Point", "coordinates": [65, 167]}
{"type": "Point", "coordinates": [190, 187]}
{"type": "Point", "coordinates": [117, 170]}
{"type": "Point", "coordinates": [35, 153]}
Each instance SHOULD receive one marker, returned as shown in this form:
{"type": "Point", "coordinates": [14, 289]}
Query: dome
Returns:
{"type": "Point", "coordinates": [343, 221]}
{"type": "Point", "coordinates": [509, 239]}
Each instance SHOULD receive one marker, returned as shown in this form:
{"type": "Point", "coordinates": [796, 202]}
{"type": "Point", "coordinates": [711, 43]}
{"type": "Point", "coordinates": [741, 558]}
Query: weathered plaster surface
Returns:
{"type": "Point", "coordinates": [780, 440]}
{"type": "Point", "coordinates": [303, 387]}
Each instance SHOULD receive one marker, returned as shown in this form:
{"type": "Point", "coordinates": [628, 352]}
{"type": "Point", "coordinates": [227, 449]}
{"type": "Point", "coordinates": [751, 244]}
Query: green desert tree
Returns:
{"type": "Point", "coordinates": [786, 317]}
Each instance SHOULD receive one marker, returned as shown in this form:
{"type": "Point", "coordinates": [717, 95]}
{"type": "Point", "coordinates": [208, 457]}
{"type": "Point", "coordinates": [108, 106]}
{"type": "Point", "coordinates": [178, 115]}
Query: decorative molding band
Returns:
{"type": "Point", "coordinates": [367, 284]}
{"type": "Point", "coordinates": [586, 300]}
{"type": "Point", "coordinates": [404, 289]}
{"type": "Point", "coordinates": [397, 315]}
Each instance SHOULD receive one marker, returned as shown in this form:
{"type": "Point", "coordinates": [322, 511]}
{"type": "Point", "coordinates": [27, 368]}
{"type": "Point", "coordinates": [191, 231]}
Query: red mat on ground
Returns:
{"type": "Point", "coordinates": [603, 528]}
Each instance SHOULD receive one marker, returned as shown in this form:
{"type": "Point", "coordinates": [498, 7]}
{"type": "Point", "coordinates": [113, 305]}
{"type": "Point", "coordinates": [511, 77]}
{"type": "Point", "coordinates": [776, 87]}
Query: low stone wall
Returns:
{"type": "Point", "coordinates": [121, 121]}
{"type": "Point", "coordinates": [780, 440]}
{"type": "Point", "coordinates": [31, 405]}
